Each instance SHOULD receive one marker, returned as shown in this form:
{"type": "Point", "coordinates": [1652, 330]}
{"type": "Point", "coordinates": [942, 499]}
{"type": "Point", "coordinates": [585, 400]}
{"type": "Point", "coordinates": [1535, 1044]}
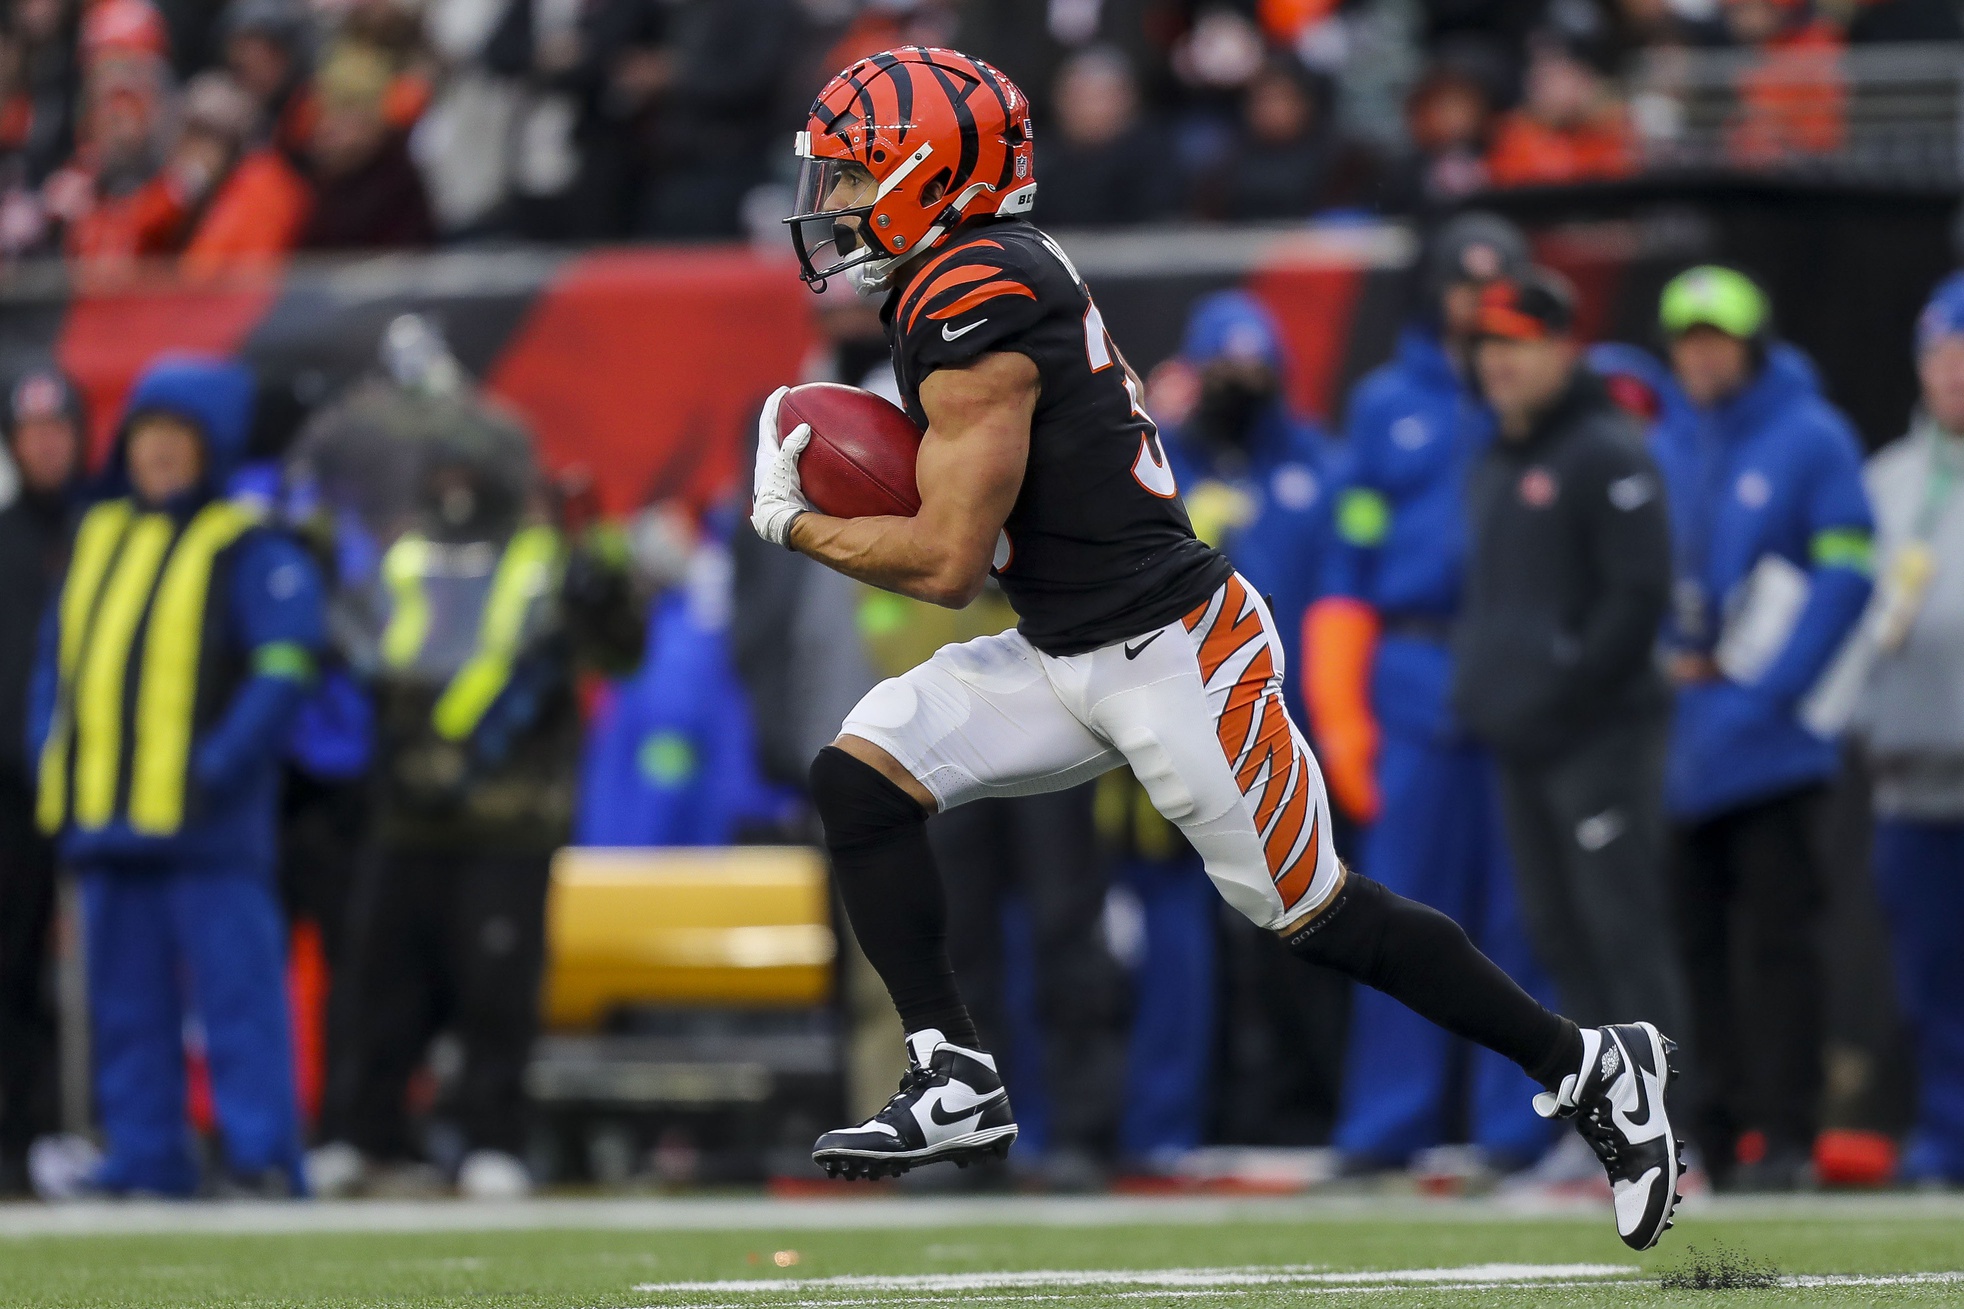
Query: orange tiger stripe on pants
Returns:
{"type": "Point", "coordinates": [1271, 762]}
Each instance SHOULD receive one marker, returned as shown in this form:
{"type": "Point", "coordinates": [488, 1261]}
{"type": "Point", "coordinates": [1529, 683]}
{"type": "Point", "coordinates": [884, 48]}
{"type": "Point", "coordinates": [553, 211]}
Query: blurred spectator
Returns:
{"type": "Point", "coordinates": [1103, 164]}
{"type": "Point", "coordinates": [1913, 727]}
{"type": "Point", "coordinates": [269, 50]}
{"type": "Point", "coordinates": [367, 192]}
{"type": "Point", "coordinates": [717, 89]}
{"type": "Point", "coordinates": [40, 83]}
{"type": "Point", "coordinates": [483, 617]}
{"type": "Point", "coordinates": [99, 198]}
{"type": "Point", "coordinates": [1571, 126]}
{"type": "Point", "coordinates": [1771, 535]}
{"type": "Point", "coordinates": [671, 759]}
{"type": "Point", "coordinates": [1497, 28]}
{"type": "Point", "coordinates": [1287, 160]}
{"type": "Point", "coordinates": [1448, 117]}
{"type": "Point", "coordinates": [1255, 477]}
{"type": "Point", "coordinates": [224, 204]}
{"type": "Point", "coordinates": [393, 30]}
{"type": "Point", "coordinates": [1568, 575]}
{"type": "Point", "coordinates": [44, 431]}
{"type": "Point", "coordinates": [1378, 672]}
{"type": "Point", "coordinates": [1792, 100]}
{"type": "Point", "coordinates": [244, 203]}
{"type": "Point", "coordinates": [177, 863]}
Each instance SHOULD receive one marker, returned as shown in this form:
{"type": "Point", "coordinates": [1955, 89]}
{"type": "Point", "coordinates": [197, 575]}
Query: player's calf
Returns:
{"type": "Point", "coordinates": [1422, 958]}
{"type": "Point", "coordinates": [884, 869]}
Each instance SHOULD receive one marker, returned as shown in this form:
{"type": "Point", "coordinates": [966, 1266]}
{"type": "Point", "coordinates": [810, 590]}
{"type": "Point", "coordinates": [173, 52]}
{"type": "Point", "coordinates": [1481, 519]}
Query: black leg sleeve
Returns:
{"type": "Point", "coordinates": [1423, 959]}
{"type": "Point", "coordinates": [885, 873]}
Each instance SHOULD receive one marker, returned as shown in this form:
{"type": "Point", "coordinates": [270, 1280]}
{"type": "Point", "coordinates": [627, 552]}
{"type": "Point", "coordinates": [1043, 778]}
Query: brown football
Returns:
{"type": "Point", "coordinates": [860, 462]}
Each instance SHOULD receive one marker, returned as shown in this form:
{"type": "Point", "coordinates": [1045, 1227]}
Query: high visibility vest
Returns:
{"type": "Point", "coordinates": [528, 571]}
{"type": "Point", "coordinates": [132, 627]}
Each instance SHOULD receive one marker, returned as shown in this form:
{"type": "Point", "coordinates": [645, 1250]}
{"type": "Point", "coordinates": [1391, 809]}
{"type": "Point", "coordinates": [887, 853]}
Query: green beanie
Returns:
{"type": "Point", "coordinates": [1711, 296]}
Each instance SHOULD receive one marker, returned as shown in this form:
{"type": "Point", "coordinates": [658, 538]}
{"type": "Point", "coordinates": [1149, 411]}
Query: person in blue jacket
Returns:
{"type": "Point", "coordinates": [1255, 479]}
{"type": "Point", "coordinates": [1254, 476]}
{"type": "Point", "coordinates": [671, 760]}
{"type": "Point", "coordinates": [1378, 673]}
{"type": "Point", "coordinates": [1771, 537]}
{"type": "Point", "coordinates": [180, 644]}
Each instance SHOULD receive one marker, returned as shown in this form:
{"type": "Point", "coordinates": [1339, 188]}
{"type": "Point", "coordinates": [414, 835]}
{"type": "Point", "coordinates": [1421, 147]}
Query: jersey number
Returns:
{"type": "Point", "coordinates": [1097, 342]}
{"type": "Point", "coordinates": [1151, 469]}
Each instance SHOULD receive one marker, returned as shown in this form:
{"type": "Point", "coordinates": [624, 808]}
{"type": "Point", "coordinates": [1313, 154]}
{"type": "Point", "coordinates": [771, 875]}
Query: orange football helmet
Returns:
{"type": "Point", "coordinates": [900, 149]}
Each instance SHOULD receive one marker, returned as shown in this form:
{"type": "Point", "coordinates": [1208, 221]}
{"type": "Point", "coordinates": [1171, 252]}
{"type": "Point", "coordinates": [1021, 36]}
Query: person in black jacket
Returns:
{"type": "Point", "coordinates": [43, 422]}
{"type": "Point", "coordinates": [1568, 579]}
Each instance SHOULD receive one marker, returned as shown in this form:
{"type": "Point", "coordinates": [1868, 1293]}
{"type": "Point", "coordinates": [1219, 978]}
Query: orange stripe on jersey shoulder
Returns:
{"type": "Point", "coordinates": [962, 276]}
{"type": "Point", "coordinates": [916, 294]}
{"type": "Point", "coordinates": [949, 281]}
{"type": "Point", "coordinates": [981, 295]}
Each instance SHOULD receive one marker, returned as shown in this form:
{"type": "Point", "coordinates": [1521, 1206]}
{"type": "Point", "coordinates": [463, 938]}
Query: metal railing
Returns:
{"type": "Point", "coordinates": [1884, 115]}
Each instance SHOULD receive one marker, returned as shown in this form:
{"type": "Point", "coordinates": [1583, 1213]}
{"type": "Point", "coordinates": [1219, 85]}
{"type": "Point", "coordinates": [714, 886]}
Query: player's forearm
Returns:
{"type": "Point", "coordinates": [894, 554]}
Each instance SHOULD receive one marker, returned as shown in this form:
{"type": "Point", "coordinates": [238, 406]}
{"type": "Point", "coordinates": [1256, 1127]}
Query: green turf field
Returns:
{"type": "Point", "coordinates": [925, 1252]}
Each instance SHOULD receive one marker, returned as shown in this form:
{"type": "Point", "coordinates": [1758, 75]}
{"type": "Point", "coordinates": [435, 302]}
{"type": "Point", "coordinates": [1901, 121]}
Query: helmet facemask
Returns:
{"type": "Point", "coordinates": [831, 218]}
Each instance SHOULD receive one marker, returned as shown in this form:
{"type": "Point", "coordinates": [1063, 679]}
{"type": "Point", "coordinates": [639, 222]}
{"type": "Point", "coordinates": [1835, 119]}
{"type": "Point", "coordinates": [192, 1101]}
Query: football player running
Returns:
{"type": "Point", "coordinates": [1136, 644]}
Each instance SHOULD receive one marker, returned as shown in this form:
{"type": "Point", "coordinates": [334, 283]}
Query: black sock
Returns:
{"type": "Point", "coordinates": [1423, 959]}
{"type": "Point", "coordinates": [885, 873]}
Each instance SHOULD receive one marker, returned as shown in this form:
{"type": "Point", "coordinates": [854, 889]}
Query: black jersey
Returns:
{"type": "Point", "coordinates": [1098, 547]}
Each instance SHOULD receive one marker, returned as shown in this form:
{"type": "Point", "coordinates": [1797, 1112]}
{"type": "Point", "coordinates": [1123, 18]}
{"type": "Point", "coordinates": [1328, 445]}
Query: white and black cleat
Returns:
{"type": "Point", "coordinates": [951, 1108]}
{"type": "Point", "coordinates": [1618, 1101]}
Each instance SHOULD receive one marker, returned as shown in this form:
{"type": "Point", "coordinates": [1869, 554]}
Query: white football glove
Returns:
{"type": "Point", "coordinates": [776, 497]}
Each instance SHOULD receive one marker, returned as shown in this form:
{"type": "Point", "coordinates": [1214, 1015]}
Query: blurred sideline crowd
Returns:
{"type": "Point", "coordinates": [229, 134]}
{"type": "Point", "coordinates": [1578, 632]}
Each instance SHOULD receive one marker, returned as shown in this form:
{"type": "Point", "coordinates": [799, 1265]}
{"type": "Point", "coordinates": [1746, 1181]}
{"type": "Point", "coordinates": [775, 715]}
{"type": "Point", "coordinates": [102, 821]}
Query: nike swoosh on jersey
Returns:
{"type": "Point", "coordinates": [960, 1112]}
{"type": "Point", "coordinates": [1133, 651]}
{"type": "Point", "coordinates": [949, 334]}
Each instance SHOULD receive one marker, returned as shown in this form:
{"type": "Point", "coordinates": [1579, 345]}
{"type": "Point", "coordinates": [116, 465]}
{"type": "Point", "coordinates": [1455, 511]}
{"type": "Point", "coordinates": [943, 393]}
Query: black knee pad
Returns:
{"type": "Point", "coordinates": [1349, 936]}
{"type": "Point", "coordinates": [857, 803]}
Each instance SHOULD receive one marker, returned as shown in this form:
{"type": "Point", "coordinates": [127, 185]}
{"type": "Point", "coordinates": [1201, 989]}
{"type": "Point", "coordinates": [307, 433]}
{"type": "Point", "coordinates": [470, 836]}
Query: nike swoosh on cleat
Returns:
{"type": "Point", "coordinates": [1636, 1130]}
{"type": "Point", "coordinates": [968, 1110]}
{"type": "Point", "coordinates": [948, 332]}
{"type": "Point", "coordinates": [1133, 651]}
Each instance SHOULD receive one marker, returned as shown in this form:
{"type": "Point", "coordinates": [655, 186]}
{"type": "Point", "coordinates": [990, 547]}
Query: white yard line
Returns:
{"type": "Point", "coordinates": [756, 1213]}
{"type": "Point", "coordinates": [1299, 1275]}
{"type": "Point", "coordinates": [1875, 1279]}
{"type": "Point", "coordinates": [1225, 1292]}
{"type": "Point", "coordinates": [1190, 1284]}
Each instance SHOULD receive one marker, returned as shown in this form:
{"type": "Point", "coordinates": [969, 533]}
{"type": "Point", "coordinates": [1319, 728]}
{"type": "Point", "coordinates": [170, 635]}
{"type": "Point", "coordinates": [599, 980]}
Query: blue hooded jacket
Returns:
{"type": "Point", "coordinates": [672, 759]}
{"type": "Point", "coordinates": [272, 597]}
{"type": "Point", "coordinates": [1284, 471]}
{"type": "Point", "coordinates": [1416, 428]}
{"type": "Point", "coordinates": [1775, 470]}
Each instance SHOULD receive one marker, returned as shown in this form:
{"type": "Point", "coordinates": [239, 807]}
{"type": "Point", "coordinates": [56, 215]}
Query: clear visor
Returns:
{"type": "Point", "coordinates": [833, 204]}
